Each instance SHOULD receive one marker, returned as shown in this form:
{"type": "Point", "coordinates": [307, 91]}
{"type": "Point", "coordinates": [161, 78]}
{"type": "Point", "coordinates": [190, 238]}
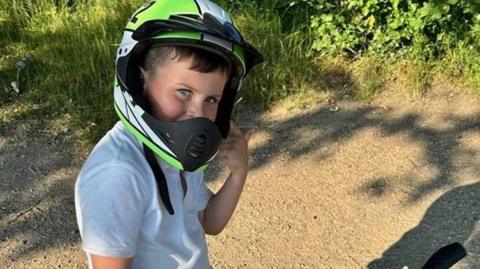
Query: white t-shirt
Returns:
{"type": "Point", "coordinates": [120, 213]}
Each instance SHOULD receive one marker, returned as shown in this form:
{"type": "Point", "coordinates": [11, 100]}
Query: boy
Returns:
{"type": "Point", "coordinates": [140, 198]}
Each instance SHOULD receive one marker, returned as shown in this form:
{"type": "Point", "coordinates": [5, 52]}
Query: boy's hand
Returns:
{"type": "Point", "coordinates": [234, 150]}
{"type": "Point", "coordinates": [220, 207]}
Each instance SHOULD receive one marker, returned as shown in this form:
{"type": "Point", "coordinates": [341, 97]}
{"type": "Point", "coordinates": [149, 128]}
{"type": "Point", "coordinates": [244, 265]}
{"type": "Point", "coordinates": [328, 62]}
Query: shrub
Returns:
{"type": "Point", "coordinates": [393, 26]}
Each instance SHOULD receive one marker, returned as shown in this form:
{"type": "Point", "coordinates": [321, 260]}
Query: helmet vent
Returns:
{"type": "Point", "coordinates": [197, 148]}
{"type": "Point", "coordinates": [166, 137]}
{"type": "Point", "coordinates": [200, 140]}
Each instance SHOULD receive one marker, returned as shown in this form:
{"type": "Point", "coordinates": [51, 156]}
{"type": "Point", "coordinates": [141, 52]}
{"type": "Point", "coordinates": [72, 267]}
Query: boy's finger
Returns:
{"type": "Point", "coordinates": [234, 129]}
{"type": "Point", "coordinates": [247, 134]}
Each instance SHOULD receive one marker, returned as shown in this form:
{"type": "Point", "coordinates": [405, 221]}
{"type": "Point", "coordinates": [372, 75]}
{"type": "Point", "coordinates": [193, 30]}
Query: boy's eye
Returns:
{"type": "Point", "coordinates": [185, 92]}
{"type": "Point", "coordinates": [211, 100]}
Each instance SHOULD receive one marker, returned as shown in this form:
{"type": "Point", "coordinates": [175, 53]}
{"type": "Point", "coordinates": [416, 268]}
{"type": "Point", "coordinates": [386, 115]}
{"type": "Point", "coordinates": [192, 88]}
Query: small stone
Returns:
{"type": "Point", "coordinates": [21, 64]}
{"type": "Point", "coordinates": [334, 109]}
{"type": "Point", "coordinates": [14, 86]}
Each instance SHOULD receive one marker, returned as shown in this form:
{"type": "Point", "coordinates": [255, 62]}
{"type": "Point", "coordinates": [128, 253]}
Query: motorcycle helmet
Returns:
{"type": "Point", "coordinates": [188, 144]}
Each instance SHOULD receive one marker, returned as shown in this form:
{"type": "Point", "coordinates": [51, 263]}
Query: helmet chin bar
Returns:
{"type": "Point", "coordinates": [194, 141]}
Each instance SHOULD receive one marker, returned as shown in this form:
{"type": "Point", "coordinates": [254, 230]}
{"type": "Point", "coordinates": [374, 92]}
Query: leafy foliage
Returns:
{"type": "Point", "coordinates": [393, 26]}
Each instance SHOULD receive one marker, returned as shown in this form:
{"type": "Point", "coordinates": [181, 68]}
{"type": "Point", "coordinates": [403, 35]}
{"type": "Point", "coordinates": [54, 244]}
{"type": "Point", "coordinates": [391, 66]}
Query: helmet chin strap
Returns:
{"type": "Point", "coordinates": [160, 178]}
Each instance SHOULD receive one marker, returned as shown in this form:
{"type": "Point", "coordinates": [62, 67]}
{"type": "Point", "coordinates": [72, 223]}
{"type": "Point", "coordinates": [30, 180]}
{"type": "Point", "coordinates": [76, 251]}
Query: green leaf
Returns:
{"type": "Point", "coordinates": [326, 17]}
{"type": "Point", "coordinates": [395, 3]}
{"type": "Point", "coordinates": [432, 11]}
{"type": "Point", "coordinates": [416, 23]}
{"type": "Point", "coordinates": [371, 21]}
{"type": "Point", "coordinates": [365, 11]}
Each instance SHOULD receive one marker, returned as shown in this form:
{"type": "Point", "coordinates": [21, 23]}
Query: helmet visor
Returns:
{"type": "Point", "coordinates": [208, 25]}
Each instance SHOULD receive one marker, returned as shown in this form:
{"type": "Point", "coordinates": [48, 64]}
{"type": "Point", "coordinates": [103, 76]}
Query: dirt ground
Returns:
{"type": "Point", "coordinates": [377, 185]}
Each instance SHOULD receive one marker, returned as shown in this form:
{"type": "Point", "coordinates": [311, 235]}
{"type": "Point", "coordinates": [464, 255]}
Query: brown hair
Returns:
{"type": "Point", "coordinates": [203, 60]}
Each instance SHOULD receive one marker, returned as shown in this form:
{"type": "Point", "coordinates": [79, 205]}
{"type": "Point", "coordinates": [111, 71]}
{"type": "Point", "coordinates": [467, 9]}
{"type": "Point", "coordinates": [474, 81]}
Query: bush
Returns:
{"type": "Point", "coordinates": [383, 27]}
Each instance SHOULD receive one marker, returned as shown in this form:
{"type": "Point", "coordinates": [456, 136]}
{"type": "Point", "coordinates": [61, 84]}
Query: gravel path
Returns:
{"type": "Point", "coordinates": [379, 185]}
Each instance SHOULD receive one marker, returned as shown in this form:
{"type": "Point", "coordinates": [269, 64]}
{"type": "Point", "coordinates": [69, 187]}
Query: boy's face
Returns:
{"type": "Point", "coordinates": [177, 92]}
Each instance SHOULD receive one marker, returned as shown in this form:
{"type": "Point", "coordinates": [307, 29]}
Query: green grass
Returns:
{"type": "Point", "coordinates": [288, 66]}
{"type": "Point", "coordinates": [73, 43]}
{"type": "Point", "coordinates": [73, 47]}
{"type": "Point", "coordinates": [462, 65]}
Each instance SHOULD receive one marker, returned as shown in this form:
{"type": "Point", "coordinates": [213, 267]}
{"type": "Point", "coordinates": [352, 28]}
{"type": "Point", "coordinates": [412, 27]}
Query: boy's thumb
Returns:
{"type": "Point", "coordinates": [248, 134]}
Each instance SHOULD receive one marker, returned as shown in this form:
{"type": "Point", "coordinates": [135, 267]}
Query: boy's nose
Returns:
{"type": "Point", "coordinates": [196, 110]}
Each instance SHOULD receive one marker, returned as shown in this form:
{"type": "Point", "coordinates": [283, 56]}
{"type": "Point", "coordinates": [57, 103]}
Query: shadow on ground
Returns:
{"type": "Point", "coordinates": [441, 145]}
{"type": "Point", "coordinates": [454, 217]}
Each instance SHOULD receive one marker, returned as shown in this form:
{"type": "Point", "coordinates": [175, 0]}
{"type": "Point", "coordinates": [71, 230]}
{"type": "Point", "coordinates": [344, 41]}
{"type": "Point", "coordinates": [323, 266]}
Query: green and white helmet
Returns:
{"type": "Point", "coordinates": [190, 144]}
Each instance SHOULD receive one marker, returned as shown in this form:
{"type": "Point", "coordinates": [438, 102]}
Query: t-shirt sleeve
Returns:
{"type": "Point", "coordinates": [204, 194]}
{"type": "Point", "coordinates": [110, 208]}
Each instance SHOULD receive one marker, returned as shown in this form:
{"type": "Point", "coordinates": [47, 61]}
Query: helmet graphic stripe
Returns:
{"type": "Point", "coordinates": [161, 10]}
{"type": "Point", "coordinates": [206, 6]}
